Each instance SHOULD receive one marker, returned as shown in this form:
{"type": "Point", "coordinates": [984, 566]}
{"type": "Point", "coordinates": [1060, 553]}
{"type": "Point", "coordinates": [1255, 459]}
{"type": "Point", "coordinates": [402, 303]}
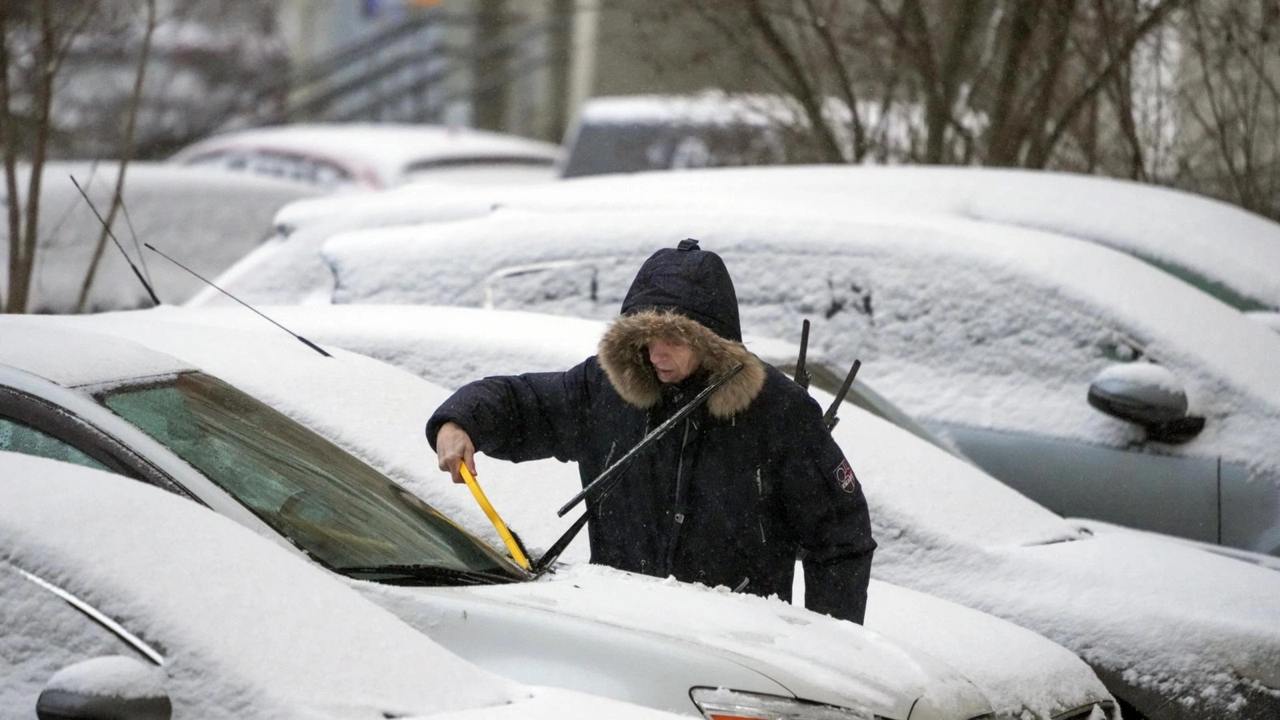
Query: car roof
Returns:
{"type": "Point", "coordinates": [385, 265]}
{"type": "Point", "coordinates": [72, 357]}
{"type": "Point", "coordinates": [1232, 249]}
{"type": "Point", "coordinates": [386, 149]}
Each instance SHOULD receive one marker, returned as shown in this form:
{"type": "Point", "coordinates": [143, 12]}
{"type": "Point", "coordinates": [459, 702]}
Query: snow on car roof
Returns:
{"type": "Point", "coordinates": [386, 265]}
{"type": "Point", "coordinates": [216, 596]}
{"type": "Point", "coordinates": [387, 149]}
{"type": "Point", "coordinates": [1227, 244]}
{"type": "Point", "coordinates": [78, 357]}
{"type": "Point", "coordinates": [710, 107]}
{"type": "Point", "coordinates": [1234, 250]}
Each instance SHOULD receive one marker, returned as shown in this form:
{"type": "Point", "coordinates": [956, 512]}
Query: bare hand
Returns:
{"type": "Point", "coordinates": [454, 447]}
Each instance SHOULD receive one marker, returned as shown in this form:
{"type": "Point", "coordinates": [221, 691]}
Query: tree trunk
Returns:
{"type": "Point", "coordinates": [127, 143]}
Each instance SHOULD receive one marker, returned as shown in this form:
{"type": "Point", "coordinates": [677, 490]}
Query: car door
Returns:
{"type": "Point", "coordinates": [1176, 495]}
{"type": "Point", "coordinates": [33, 426]}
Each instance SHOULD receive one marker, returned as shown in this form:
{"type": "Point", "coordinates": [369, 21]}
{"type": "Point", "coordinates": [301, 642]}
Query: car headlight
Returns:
{"type": "Point", "coordinates": [721, 704]}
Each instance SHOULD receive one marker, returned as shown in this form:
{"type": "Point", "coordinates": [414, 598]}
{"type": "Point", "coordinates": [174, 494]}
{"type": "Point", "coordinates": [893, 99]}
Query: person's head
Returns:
{"type": "Point", "coordinates": [680, 316]}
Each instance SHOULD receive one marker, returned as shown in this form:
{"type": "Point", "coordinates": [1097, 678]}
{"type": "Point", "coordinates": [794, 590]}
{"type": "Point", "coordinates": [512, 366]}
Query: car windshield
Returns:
{"type": "Point", "coordinates": [861, 395]}
{"type": "Point", "coordinates": [339, 510]}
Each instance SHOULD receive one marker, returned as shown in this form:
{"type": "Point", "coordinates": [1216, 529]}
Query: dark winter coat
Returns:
{"type": "Point", "coordinates": [729, 497]}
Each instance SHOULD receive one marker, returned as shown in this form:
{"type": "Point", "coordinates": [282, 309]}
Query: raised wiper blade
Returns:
{"type": "Point", "coordinates": [424, 575]}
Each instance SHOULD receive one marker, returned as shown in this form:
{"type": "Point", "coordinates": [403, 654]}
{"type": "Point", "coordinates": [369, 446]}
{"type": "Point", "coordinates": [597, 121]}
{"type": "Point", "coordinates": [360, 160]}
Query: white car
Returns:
{"type": "Point", "coordinates": [1223, 250]}
{"type": "Point", "coordinates": [365, 156]}
{"type": "Point", "coordinates": [1135, 606]}
{"type": "Point", "coordinates": [119, 600]}
{"type": "Point", "coordinates": [106, 402]}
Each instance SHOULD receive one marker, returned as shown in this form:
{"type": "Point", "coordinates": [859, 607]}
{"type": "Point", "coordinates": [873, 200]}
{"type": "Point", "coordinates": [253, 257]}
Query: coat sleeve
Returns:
{"type": "Point", "coordinates": [521, 417]}
{"type": "Point", "coordinates": [824, 504]}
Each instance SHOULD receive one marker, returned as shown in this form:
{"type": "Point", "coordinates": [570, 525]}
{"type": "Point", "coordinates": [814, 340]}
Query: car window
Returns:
{"type": "Point", "coordinates": [341, 511]}
{"type": "Point", "coordinates": [16, 436]}
{"type": "Point", "coordinates": [862, 396]}
{"type": "Point", "coordinates": [291, 166]}
{"type": "Point", "coordinates": [43, 634]}
{"type": "Point", "coordinates": [636, 146]}
{"type": "Point", "coordinates": [1219, 290]}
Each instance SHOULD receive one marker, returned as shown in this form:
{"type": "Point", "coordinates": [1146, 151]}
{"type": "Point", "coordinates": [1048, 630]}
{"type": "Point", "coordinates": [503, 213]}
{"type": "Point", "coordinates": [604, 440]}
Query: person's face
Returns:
{"type": "Point", "coordinates": [672, 360]}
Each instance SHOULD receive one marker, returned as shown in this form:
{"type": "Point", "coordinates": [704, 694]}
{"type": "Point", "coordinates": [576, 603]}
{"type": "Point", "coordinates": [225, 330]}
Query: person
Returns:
{"type": "Point", "coordinates": [733, 494]}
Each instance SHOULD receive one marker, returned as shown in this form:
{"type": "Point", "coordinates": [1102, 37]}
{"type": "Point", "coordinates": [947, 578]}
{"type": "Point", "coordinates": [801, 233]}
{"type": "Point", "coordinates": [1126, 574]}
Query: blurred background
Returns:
{"type": "Point", "coordinates": [1181, 93]}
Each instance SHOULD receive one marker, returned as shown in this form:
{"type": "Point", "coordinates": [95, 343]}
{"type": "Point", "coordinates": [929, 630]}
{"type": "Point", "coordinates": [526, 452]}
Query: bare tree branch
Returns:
{"type": "Point", "coordinates": [822, 28]}
{"type": "Point", "coordinates": [1154, 18]}
{"type": "Point", "coordinates": [809, 97]}
{"type": "Point", "coordinates": [8, 144]}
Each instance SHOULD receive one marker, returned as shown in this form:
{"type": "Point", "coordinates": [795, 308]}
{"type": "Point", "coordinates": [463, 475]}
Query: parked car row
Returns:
{"type": "Point", "coordinates": [1097, 362]}
{"type": "Point", "coordinates": [972, 522]}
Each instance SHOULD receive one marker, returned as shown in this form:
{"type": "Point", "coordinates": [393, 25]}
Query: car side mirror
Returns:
{"type": "Point", "coordinates": [105, 688]}
{"type": "Point", "coordinates": [1148, 395]}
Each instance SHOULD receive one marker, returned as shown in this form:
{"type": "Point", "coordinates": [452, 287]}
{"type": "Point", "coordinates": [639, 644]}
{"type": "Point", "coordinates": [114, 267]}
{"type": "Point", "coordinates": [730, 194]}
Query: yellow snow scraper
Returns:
{"type": "Point", "coordinates": [514, 546]}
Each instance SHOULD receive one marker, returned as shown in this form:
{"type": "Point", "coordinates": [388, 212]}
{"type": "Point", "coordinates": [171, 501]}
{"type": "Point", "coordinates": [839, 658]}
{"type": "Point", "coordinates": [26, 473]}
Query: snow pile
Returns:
{"type": "Point", "coordinates": [175, 562]}
{"type": "Point", "coordinates": [205, 219]}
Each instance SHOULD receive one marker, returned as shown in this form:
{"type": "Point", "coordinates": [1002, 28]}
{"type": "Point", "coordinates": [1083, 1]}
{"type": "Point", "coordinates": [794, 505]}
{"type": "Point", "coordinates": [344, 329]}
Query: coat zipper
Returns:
{"type": "Point", "coordinates": [678, 518]}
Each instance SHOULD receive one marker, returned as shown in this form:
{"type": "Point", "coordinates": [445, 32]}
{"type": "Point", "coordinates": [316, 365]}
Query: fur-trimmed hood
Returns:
{"type": "Point", "coordinates": [623, 357]}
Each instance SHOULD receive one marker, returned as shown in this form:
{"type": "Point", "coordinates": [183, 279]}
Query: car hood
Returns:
{"type": "Point", "coordinates": [814, 658]}
{"type": "Point", "coordinates": [1144, 612]}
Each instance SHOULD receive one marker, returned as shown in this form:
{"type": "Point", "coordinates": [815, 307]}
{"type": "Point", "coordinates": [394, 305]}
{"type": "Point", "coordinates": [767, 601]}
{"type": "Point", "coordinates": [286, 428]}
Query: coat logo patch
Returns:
{"type": "Point", "coordinates": [845, 478]}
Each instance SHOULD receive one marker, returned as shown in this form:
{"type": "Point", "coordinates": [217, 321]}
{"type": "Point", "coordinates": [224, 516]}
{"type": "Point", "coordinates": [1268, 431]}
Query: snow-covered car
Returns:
{"type": "Point", "coordinates": [337, 156]}
{"type": "Point", "coordinates": [109, 403]}
{"type": "Point", "coordinates": [1223, 250]}
{"type": "Point", "coordinates": [119, 600]}
{"type": "Point", "coordinates": [1173, 630]}
{"type": "Point", "coordinates": [1081, 376]}
{"type": "Point", "coordinates": [631, 133]}
{"type": "Point", "coordinates": [206, 219]}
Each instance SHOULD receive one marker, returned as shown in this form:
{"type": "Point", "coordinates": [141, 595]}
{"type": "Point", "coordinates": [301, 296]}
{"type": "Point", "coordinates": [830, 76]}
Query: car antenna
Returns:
{"type": "Point", "coordinates": [208, 282]}
{"type": "Point", "coordinates": [608, 479]}
{"type": "Point", "coordinates": [112, 235]}
{"type": "Point", "coordinates": [802, 377]}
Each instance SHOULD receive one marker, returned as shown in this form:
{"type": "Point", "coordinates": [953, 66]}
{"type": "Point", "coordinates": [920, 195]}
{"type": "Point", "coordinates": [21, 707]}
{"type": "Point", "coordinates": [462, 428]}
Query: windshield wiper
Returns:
{"type": "Point", "coordinates": [424, 575]}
